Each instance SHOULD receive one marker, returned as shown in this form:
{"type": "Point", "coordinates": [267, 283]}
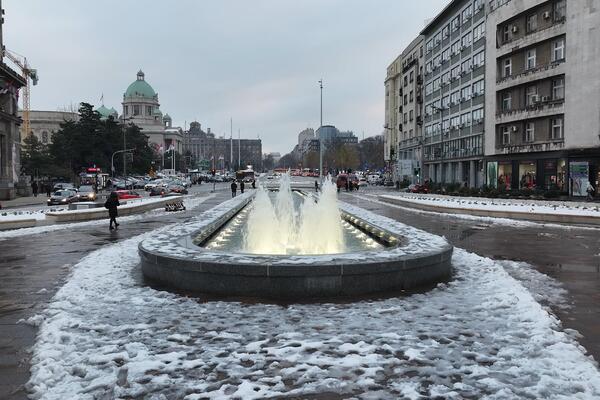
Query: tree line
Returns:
{"type": "Point", "coordinates": [84, 143]}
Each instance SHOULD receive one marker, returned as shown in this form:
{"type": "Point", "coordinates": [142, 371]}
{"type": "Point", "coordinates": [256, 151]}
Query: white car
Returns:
{"type": "Point", "coordinates": [152, 184]}
{"type": "Point", "coordinates": [363, 182]}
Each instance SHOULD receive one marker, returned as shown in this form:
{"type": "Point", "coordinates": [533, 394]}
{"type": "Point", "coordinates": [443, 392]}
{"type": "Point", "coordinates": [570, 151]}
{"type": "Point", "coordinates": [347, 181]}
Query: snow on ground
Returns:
{"type": "Point", "coordinates": [190, 203]}
{"type": "Point", "coordinates": [524, 206]}
{"type": "Point", "coordinates": [493, 220]}
{"type": "Point", "coordinates": [480, 336]}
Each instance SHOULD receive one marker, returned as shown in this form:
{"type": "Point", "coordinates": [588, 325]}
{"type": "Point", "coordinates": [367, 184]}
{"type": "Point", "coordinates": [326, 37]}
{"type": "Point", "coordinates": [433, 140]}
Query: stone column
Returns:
{"type": "Point", "coordinates": [472, 173]}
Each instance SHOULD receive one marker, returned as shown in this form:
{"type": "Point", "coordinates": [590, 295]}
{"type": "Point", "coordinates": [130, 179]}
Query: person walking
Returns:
{"type": "Point", "coordinates": [242, 187]}
{"type": "Point", "coordinates": [316, 186]}
{"type": "Point", "coordinates": [111, 205]}
{"type": "Point", "coordinates": [253, 183]}
{"type": "Point", "coordinates": [34, 187]}
{"type": "Point", "coordinates": [48, 189]}
{"type": "Point", "coordinates": [233, 188]}
{"type": "Point", "coordinates": [590, 192]}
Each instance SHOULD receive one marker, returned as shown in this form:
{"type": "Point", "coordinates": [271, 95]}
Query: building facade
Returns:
{"type": "Point", "coordinates": [393, 115]}
{"type": "Point", "coordinates": [304, 138]}
{"type": "Point", "coordinates": [454, 87]}
{"type": "Point", "coordinates": [10, 138]}
{"type": "Point", "coordinates": [43, 124]}
{"type": "Point", "coordinates": [410, 125]}
{"type": "Point", "coordinates": [543, 103]}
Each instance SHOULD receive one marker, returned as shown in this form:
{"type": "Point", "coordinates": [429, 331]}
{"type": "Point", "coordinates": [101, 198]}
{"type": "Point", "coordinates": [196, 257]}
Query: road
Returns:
{"type": "Point", "coordinates": [33, 267]}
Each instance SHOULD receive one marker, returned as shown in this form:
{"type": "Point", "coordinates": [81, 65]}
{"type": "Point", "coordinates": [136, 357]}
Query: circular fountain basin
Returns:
{"type": "Point", "coordinates": [410, 258]}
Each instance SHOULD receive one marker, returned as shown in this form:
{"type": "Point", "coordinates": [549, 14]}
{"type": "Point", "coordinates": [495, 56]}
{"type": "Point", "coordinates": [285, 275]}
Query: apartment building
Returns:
{"type": "Point", "coordinates": [454, 87]}
{"type": "Point", "coordinates": [543, 101]}
{"type": "Point", "coordinates": [410, 124]}
{"type": "Point", "coordinates": [393, 115]}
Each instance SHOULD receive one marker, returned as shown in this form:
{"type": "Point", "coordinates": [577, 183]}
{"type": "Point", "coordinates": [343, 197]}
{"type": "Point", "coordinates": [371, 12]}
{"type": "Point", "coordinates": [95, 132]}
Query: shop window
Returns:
{"type": "Point", "coordinates": [505, 175]}
{"type": "Point", "coordinates": [527, 175]}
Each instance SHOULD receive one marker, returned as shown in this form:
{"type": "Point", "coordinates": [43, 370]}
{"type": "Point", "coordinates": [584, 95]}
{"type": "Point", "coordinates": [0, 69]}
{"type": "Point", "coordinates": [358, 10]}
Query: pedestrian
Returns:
{"type": "Point", "coordinates": [233, 188]}
{"type": "Point", "coordinates": [253, 183]}
{"type": "Point", "coordinates": [111, 205]}
{"type": "Point", "coordinates": [34, 187]}
{"type": "Point", "coordinates": [242, 187]}
{"type": "Point", "coordinates": [590, 192]}
{"type": "Point", "coordinates": [316, 186]}
{"type": "Point", "coordinates": [48, 189]}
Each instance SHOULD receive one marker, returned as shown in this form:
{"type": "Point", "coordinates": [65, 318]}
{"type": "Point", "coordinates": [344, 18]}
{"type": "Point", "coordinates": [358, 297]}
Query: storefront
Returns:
{"type": "Point", "coordinates": [583, 170]}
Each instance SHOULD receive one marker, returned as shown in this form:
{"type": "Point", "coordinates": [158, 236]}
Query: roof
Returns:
{"type": "Point", "coordinates": [106, 112]}
{"type": "Point", "coordinates": [140, 88]}
{"type": "Point", "coordinates": [442, 14]}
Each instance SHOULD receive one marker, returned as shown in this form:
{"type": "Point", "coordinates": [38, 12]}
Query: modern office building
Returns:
{"type": "Point", "coordinates": [543, 102]}
{"type": "Point", "coordinates": [454, 86]}
{"type": "Point", "coordinates": [410, 110]}
{"type": "Point", "coordinates": [330, 134]}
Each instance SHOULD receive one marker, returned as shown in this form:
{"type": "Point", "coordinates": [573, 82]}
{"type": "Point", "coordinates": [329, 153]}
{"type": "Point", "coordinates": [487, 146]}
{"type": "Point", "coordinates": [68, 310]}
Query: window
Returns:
{"type": "Point", "coordinates": [455, 72]}
{"type": "Point", "coordinates": [505, 135]}
{"type": "Point", "coordinates": [410, 115]}
{"type": "Point", "coordinates": [478, 5]}
{"type": "Point", "coordinates": [445, 78]}
{"type": "Point", "coordinates": [477, 116]}
{"type": "Point", "coordinates": [446, 125]}
{"type": "Point", "coordinates": [405, 81]}
{"type": "Point", "coordinates": [479, 31]}
{"type": "Point", "coordinates": [148, 110]}
{"type": "Point", "coordinates": [466, 40]}
{"type": "Point", "coordinates": [465, 67]}
{"type": "Point", "coordinates": [532, 23]}
{"type": "Point", "coordinates": [411, 96]}
{"type": "Point", "coordinates": [506, 33]}
{"type": "Point", "coordinates": [479, 59]}
{"type": "Point", "coordinates": [437, 61]}
{"type": "Point", "coordinates": [437, 39]}
{"type": "Point", "coordinates": [507, 68]}
{"type": "Point", "coordinates": [506, 101]}
{"type": "Point", "coordinates": [412, 76]}
{"type": "Point", "coordinates": [446, 55]}
{"type": "Point", "coordinates": [531, 95]}
{"type": "Point", "coordinates": [455, 48]}
{"type": "Point", "coordinates": [136, 109]}
{"type": "Point", "coordinates": [556, 130]}
{"type": "Point", "coordinates": [560, 10]}
{"type": "Point", "coordinates": [478, 88]}
{"type": "Point", "coordinates": [429, 46]}
{"type": "Point", "coordinates": [455, 97]}
{"type": "Point", "coordinates": [436, 84]}
{"type": "Point", "coordinates": [558, 49]}
{"type": "Point", "coordinates": [531, 56]}
{"type": "Point", "coordinates": [445, 101]}
{"type": "Point", "coordinates": [44, 137]}
{"type": "Point", "coordinates": [467, 13]}
{"type": "Point", "coordinates": [126, 110]}
{"type": "Point", "coordinates": [454, 122]}
{"type": "Point", "coordinates": [529, 132]}
{"type": "Point", "coordinates": [428, 131]}
{"type": "Point", "coordinates": [428, 67]}
{"type": "Point", "coordinates": [405, 99]}
{"type": "Point", "coordinates": [446, 32]}
{"type": "Point", "coordinates": [455, 24]}
{"type": "Point", "coordinates": [465, 93]}
{"type": "Point", "coordinates": [558, 88]}
{"type": "Point", "coordinates": [465, 119]}
{"type": "Point", "coordinates": [405, 118]}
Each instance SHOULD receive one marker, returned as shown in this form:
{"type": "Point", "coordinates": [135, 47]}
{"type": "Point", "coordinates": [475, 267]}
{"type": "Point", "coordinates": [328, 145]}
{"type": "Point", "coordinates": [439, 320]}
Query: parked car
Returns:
{"type": "Point", "coordinates": [177, 189]}
{"type": "Point", "coordinates": [388, 182]}
{"type": "Point", "coordinates": [63, 186]}
{"type": "Point", "coordinates": [417, 188]}
{"type": "Point", "coordinates": [65, 196]}
{"type": "Point", "coordinates": [158, 191]}
{"type": "Point", "coordinates": [86, 193]}
{"type": "Point", "coordinates": [128, 194]}
{"type": "Point", "coordinates": [363, 182]}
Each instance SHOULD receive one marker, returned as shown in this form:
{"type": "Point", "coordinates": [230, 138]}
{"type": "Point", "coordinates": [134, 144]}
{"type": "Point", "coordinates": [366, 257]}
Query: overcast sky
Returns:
{"type": "Point", "coordinates": [255, 61]}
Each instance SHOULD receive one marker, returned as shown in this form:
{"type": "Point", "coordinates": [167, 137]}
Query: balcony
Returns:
{"type": "Point", "coordinates": [558, 28]}
{"type": "Point", "coordinates": [541, 72]}
{"type": "Point", "coordinates": [410, 142]}
{"type": "Point", "coordinates": [538, 110]}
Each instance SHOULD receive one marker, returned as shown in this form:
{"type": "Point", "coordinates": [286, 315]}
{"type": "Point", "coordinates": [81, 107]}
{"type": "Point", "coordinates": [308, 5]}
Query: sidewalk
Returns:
{"type": "Point", "coordinates": [24, 201]}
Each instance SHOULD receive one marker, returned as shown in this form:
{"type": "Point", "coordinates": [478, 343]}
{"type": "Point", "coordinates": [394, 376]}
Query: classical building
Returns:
{"type": "Point", "coordinates": [454, 93]}
{"type": "Point", "coordinates": [543, 86]}
{"type": "Point", "coordinates": [393, 113]}
{"type": "Point", "coordinates": [43, 124]}
{"type": "Point", "coordinates": [410, 109]}
{"type": "Point", "coordinates": [10, 139]}
{"type": "Point", "coordinates": [142, 108]}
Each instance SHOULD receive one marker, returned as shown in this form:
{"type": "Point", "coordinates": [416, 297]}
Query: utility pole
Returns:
{"type": "Point", "coordinates": [231, 144]}
{"type": "Point", "coordinates": [239, 150]}
{"type": "Point", "coordinates": [124, 153]}
{"type": "Point", "coordinates": [320, 135]}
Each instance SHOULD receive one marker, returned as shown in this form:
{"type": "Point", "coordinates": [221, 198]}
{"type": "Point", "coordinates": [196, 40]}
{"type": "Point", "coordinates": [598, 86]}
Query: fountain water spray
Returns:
{"type": "Point", "coordinates": [278, 229]}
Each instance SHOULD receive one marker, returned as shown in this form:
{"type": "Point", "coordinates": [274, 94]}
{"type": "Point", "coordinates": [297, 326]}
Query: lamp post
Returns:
{"type": "Point", "coordinates": [123, 128]}
{"type": "Point", "coordinates": [441, 111]}
{"type": "Point", "coordinates": [320, 134]}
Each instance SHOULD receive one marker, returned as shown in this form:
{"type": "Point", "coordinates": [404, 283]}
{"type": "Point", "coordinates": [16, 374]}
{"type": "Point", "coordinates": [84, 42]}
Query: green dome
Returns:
{"type": "Point", "coordinates": [140, 88]}
{"type": "Point", "coordinates": [106, 112]}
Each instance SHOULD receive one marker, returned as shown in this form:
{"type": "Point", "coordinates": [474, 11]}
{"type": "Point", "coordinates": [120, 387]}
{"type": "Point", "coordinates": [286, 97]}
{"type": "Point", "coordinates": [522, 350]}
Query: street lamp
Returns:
{"type": "Point", "coordinates": [441, 111]}
{"type": "Point", "coordinates": [320, 134]}
{"type": "Point", "coordinates": [123, 128]}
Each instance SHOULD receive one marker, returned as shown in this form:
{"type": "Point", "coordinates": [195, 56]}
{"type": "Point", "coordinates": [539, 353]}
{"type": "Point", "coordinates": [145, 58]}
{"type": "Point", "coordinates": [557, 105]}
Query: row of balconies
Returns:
{"type": "Point", "coordinates": [541, 104]}
{"type": "Point", "coordinates": [531, 71]}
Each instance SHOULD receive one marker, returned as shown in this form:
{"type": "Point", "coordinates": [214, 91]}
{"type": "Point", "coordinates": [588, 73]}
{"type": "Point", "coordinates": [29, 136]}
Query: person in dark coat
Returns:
{"type": "Point", "coordinates": [253, 183]}
{"type": "Point", "coordinates": [34, 187]}
{"type": "Point", "coordinates": [242, 187]}
{"type": "Point", "coordinates": [316, 186]}
{"type": "Point", "coordinates": [233, 188]}
{"type": "Point", "coordinates": [111, 204]}
{"type": "Point", "coordinates": [48, 189]}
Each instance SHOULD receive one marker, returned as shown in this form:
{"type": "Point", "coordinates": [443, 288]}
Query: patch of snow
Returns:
{"type": "Point", "coordinates": [35, 320]}
{"type": "Point", "coordinates": [481, 335]}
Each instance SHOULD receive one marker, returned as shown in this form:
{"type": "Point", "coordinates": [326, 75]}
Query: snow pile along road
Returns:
{"type": "Point", "coordinates": [481, 336]}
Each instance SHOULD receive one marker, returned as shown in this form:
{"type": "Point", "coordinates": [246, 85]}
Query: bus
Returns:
{"type": "Point", "coordinates": [247, 175]}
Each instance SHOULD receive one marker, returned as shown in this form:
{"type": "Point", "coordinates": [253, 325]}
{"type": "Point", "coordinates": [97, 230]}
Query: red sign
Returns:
{"type": "Point", "coordinates": [94, 169]}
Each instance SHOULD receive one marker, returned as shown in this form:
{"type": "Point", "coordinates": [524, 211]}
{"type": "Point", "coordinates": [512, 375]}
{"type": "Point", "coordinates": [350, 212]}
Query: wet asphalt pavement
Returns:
{"type": "Point", "coordinates": [33, 267]}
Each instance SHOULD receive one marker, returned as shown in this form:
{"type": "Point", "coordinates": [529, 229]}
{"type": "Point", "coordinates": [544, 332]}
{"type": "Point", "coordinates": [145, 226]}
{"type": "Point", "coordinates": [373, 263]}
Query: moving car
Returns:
{"type": "Point", "coordinates": [128, 194]}
{"type": "Point", "coordinates": [417, 188]}
{"type": "Point", "coordinates": [158, 190]}
{"type": "Point", "coordinates": [363, 182]}
{"type": "Point", "coordinates": [63, 186]}
{"type": "Point", "coordinates": [86, 193]}
{"type": "Point", "coordinates": [65, 196]}
{"type": "Point", "coordinates": [177, 189]}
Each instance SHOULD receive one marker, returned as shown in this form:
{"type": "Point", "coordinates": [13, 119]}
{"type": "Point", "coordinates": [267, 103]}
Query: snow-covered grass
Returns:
{"type": "Point", "coordinates": [522, 206]}
{"type": "Point", "coordinates": [482, 335]}
{"type": "Point", "coordinates": [190, 203]}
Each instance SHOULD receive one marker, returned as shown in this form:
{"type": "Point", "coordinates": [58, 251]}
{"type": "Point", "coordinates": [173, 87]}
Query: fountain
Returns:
{"type": "Point", "coordinates": [289, 243]}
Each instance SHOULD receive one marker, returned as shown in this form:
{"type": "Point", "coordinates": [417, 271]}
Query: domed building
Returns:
{"type": "Point", "coordinates": [107, 112]}
{"type": "Point", "coordinates": [141, 107]}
